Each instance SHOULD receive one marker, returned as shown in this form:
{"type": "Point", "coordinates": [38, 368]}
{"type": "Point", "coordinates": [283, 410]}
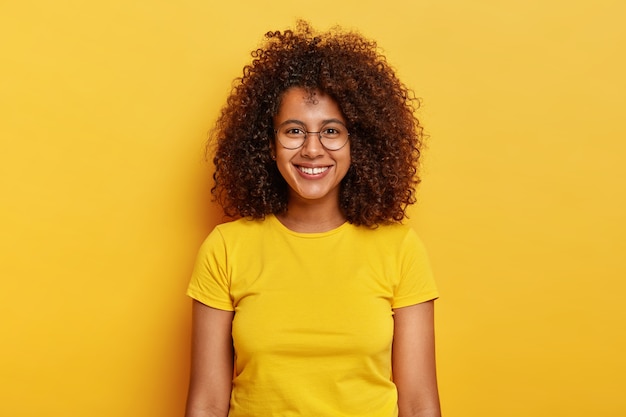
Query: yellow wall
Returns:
{"type": "Point", "coordinates": [104, 107]}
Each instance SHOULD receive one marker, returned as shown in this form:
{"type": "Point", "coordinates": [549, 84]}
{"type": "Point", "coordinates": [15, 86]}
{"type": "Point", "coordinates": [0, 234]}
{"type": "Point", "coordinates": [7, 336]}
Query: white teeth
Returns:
{"type": "Point", "coordinates": [313, 171]}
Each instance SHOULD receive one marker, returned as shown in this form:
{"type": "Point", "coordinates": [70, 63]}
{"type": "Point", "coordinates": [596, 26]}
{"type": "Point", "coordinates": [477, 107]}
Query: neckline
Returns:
{"type": "Point", "coordinates": [310, 235]}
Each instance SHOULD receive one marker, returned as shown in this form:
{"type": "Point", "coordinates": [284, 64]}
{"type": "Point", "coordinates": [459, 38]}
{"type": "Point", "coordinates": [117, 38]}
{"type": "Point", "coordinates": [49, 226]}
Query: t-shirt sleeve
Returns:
{"type": "Point", "coordinates": [416, 282]}
{"type": "Point", "coordinates": [210, 281]}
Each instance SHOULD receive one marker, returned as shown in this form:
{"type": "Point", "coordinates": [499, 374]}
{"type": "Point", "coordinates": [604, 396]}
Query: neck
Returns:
{"type": "Point", "coordinates": [311, 218]}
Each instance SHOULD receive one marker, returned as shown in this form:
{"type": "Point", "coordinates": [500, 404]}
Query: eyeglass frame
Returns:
{"type": "Point", "coordinates": [319, 135]}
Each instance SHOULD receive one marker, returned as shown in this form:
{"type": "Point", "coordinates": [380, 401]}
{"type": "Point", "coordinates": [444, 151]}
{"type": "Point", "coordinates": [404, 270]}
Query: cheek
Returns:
{"type": "Point", "coordinates": [283, 156]}
{"type": "Point", "coordinates": [348, 159]}
{"type": "Point", "coordinates": [345, 167]}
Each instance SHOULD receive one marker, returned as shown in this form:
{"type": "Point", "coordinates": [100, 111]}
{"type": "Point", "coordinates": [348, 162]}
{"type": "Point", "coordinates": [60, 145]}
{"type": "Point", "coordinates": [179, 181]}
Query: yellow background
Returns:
{"type": "Point", "coordinates": [104, 108]}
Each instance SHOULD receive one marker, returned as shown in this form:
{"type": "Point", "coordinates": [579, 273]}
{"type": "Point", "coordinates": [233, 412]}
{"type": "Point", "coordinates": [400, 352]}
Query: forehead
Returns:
{"type": "Point", "coordinates": [303, 105]}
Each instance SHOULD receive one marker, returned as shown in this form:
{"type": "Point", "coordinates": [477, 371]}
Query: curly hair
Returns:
{"type": "Point", "coordinates": [385, 135]}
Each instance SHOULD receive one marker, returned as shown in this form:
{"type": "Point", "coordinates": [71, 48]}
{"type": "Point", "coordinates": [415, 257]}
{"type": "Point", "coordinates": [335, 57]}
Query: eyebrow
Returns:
{"type": "Point", "coordinates": [301, 123]}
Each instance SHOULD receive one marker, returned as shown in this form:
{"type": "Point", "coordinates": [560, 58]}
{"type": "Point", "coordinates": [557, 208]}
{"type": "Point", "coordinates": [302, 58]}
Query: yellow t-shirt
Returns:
{"type": "Point", "coordinates": [313, 322]}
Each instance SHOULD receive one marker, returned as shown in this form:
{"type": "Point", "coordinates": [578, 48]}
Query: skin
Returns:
{"type": "Point", "coordinates": [413, 361]}
{"type": "Point", "coordinates": [313, 199]}
{"type": "Point", "coordinates": [211, 362]}
{"type": "Point", "coordinates": [313, 207]}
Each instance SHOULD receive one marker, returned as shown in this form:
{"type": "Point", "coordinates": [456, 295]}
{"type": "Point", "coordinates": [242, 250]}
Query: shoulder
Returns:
{"type": "Point", "coordinates": [239, 226]}
{"type": "Point", "coordinates": [390, 233]}
{"type": "Point", "coordinates": [236, 233]}
{"type": "Point", "coordinates": [393, 240]}
{"type": "Point", "coordinates": [229, 239]}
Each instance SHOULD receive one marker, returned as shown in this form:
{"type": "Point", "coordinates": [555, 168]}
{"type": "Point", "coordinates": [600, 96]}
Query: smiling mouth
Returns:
{"type": "Point", "coordinates": [313, 171]}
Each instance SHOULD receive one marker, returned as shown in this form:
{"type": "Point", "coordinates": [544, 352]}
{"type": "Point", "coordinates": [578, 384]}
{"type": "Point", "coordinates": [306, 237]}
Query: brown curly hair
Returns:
{"type": "Point", "coordinates": [385, 135]}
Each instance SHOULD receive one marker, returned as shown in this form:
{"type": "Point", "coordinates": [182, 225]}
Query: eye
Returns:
{"type": "Point", "coordinates": [331, 132]}
{"type": "Point", "coordinates": [293, 131]}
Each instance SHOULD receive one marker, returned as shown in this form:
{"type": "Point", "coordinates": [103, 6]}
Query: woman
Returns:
{"type": "Point", "coordinates": [317, 296]}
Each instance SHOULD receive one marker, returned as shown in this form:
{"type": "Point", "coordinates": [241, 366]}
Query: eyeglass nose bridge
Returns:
{"type": "Point", "coordinates": [307, 133]}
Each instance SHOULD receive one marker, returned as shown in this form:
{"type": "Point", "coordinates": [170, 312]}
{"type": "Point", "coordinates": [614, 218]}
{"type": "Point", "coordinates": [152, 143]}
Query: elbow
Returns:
{"type": "Point", "coordinates": [415, 408]}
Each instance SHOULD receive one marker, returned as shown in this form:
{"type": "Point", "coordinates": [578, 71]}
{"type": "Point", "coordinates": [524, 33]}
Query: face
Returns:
{"type": "Point", "coordinates": [312, 172]}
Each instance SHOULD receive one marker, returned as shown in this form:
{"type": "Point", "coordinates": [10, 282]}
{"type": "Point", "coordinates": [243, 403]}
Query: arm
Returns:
{"type": "Point", "coordinates": [211, 362]}
{"type": "Point", "coordinates": [413, 361]}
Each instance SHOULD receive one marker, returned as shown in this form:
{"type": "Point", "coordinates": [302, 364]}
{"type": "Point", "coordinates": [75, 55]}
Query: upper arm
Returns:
{"type": "Point", "coordinates": [413, 360]}
{"type": "Point", "coordinates": [211, 362]}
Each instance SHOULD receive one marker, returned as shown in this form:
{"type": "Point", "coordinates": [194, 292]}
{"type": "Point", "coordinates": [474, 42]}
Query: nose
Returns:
{"type": "Point", "coordinates": [312, 146]}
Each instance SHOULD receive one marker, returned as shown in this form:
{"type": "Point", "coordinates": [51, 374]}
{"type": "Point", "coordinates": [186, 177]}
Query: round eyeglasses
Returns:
{"type": "Point", "coordinates": [333, 136]}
